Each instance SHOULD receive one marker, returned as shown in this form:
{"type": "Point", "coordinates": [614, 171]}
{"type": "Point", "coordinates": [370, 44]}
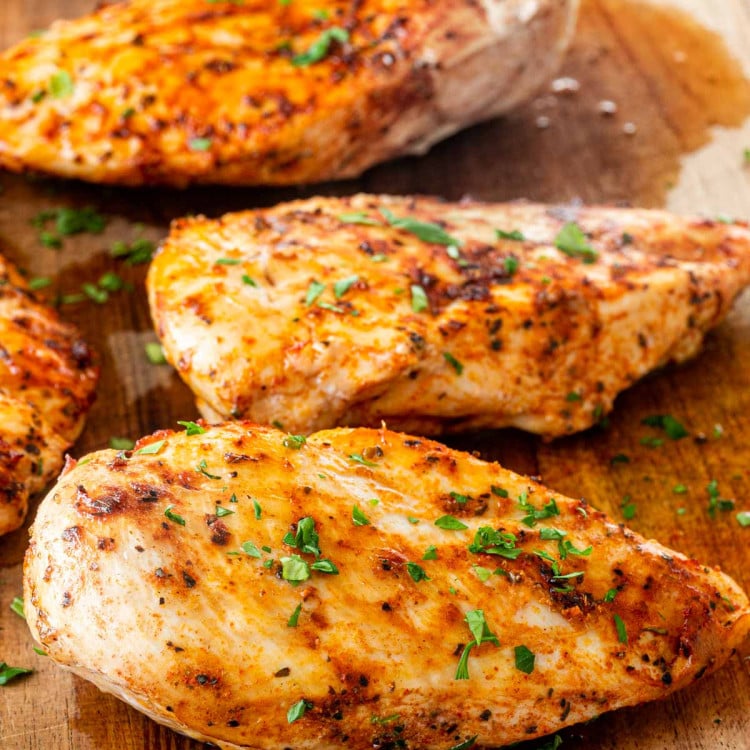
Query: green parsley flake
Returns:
{"type": "Point", "coordinates": [155, 353]}
{"type": "Point", "coordinates": [450, 523]}
{"type": "Point", "coordinates": [679, 489]}
{"type": "Point", "coordinates": [430, 553]}
{"type": "Point", "coordinates": [358, 217]}
{"type": "Point", "coordinates": [17, 606]}
{"type": "Point", "coordinates": [743, 518]}
{"type": "Point", "coordinates": [174, 517]}
{"type": "Point", "coordinates": [499, 491]}
{"type": "Point", "coordinates": [321, 47]}
{"type": "Point", "coordinates": [294, 569]}
{"type": "Point", "coordinates": [138, 251]}
{"type": "Point", "coordinates": [453, 362]}
{"type": "Point", "coordinates": [340, 288]}
{"type": "Point", "coordinates": [202, 468]}
{"type": "Point", "coordinates": [573, 396]}
{"type": "Point", "coordinates": [258, 510]}
{"type": "Point", "coordinates": [247, 280]}
{"type": "Point", "coordinates": [359, 459]}
{"type": "Point", "coordinates": [622, 633]}
{"type": "Point", "coordinates": [295, 442]}
{"type": "Point", "coordinates": [228, 261]}
{"type": "Point", "coordinates": [10, 673]}
{"type": "Point", "coordinates": [151, 448]}
{"type": "Point", "coordinates": [572, 241]}
{"type": "Point", "coordinates": [524, 659]}
{"type": "Point", "coordinates": [419, 301]}
{"type": "Point", "coordinates": [715, 502]}
{"type": "Point", "coordinates": [298, 710]}
{"type": "Point", "coordinates": [610, 595]}
{"type": "Point", "coordinates": [39, 282]}
{"type": "Point", "coordinates": [121, 443]}
{"type": "Point", "coordinates": [412, 520]}
{"type": "Point", "coordinates": [651, 442]}
{"type": "Point", "coordinates": [292, 621]}
{"type": "Point", "coordinates": [491, 542]}
{"type": "Point", "coordinates": [199, 144]}
{"type": "Point", "coordinates": [426, 231]}
{"type": "Point", "coordinates": [478, 626]}
{"type": "Point", "coordinates": [515, 235]}
{"type": "Point", "coordinates": [313, 292]}
{"type": "Point", "coordinates": [61, 84]}
{"type": "Point", "coordinates": [250, 549]}
{"type": "Point", "coordinates": [466, 744]}
{"type": "Point", "coordinates": [417, 572]}
{"type": "Point", "coordinates": [325, 566]}
{"type": "Point", "coordinates": [191, 428]}
{"type": "Point", "coordinates": [510, 264]}
{"type": "Point", "coordinates": [619, 458]}
{"type": "Point", "coordinates": [221, 511]}
{"type": "Point", "coordinates": [628, 509]}
{"type": "Point", "coordinates": [358, 517]}
{"type": "Point", "coordinates": [483, 574]}
{"type": "Point", "coordinates": [675, 430]}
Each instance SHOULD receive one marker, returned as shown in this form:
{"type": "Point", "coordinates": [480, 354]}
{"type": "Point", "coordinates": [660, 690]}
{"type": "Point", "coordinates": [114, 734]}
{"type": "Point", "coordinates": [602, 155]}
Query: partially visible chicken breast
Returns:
{"type": "Point", "coordinates": [47, 382]}
{"type": "Point", "coordinates": [262, 91]}
{"type": "Point", "coordinates": [359, 589]}
{"type": "Point", "coordinates": [333, 311]}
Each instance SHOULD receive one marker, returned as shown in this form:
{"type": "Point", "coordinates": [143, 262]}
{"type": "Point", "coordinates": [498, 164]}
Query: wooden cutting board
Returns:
{"type": "Point", "coordinates": [679, 94]}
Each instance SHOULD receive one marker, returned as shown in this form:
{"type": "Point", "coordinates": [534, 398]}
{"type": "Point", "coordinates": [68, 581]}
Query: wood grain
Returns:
{"type": "Point", "coordinates": [675, 80]}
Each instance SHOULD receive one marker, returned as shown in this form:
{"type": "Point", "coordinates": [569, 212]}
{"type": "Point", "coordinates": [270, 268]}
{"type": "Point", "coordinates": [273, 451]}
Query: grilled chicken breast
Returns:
{"type": "Point", "coordinates": [261, 91]}
{"type": "Point", "coordinates": [336, 312]}
{"type": "Point", "coordinates": [47, 381]}
{"type": "Point", "coordinates": [358, 589]}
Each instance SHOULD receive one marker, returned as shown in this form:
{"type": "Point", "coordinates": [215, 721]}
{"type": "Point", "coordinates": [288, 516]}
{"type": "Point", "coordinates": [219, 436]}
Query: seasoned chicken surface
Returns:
{"type": "Point", "coordinates": [47, 381]}
{"type": "Point", "coordinates": [358, 589]}
{"type": "Point", "coordinates": [261, 91]}
{"type": "Point", "coordinates": [349, 311]}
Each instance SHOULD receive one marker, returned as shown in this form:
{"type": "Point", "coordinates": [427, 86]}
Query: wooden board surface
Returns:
{"type": "Point", "coordinates": [674, 79]}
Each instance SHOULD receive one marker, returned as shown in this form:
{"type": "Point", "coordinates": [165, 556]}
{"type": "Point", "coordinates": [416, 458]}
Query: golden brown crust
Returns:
{"type": "Point", "coordinates": [47, 381]}
{"type": "Point", "coordinates": [181, 91]}
{"type": "Point", "coordinates": [514, 333]}
{"type": "Point", "coordinates": [137, 579]}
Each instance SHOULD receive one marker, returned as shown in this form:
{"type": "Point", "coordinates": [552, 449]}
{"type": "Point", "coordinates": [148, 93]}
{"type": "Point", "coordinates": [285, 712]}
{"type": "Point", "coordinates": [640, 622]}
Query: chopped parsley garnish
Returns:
{"type": "Point", "coordinates": [450, 523]}
{"type": "Point", "coordinates": [67, 221]}
{"type": "Point", "coordinates": [651, 442]}
{"type": "Point", "coordinates": [138, 251]}
{"type": "Point", "coordinates": [320, 48]}
{"type": "Point", "coordinates": [499, 491]}
{"type": "Point", "coordinates": [572, 241]}
{"type": "Point", "coordinates": [199, 144]}
{"type": "Point", "coordinates": [628, 509]}
{"type": "Point", "coordinates": [715, 502]}
{"type": "Point", "coordinates": [10, 673]}
{"type": "Point", "coordinates": [17, 606]}
{"type": "Point", "coordinates": [202, 468]}
{"type": "Point", "coordinates": [313, 292]}
{"type": "Point", "coordinates": [111, 282]}
{"type": "Point", "coordinates": [553, 744]}
{"type": "Point", "coordinates": [515, 235]}
{"type": "Point", "coordinates": [358, 517]}
{"type": "Point", "coordinates": [39, 282]}
{"type": "Point", "coordinates": [191, 428]}
{"type": "Point", "coordinates": [294, 569]}
{"type": "Point", "coordinates": [417, 572]}
{"type": "Point", "coordinates": [228, 261]}
{"type": "Point", "coordinates": [325, 566]}
{"type": "Point", "coordinates": [250, 549]}
{"type": "Point", "coordinates": [151, 448]}
{"type": "Point", "coordinates": [174, 517]}
{"type": "Point", "coordinates": [222, 511]}
{"type": "Point", "coordinates": [298, 710]}
{"type": "Point", "coordinates": [258, 510]}
{"type": "Point", "coordinates": [573, 396]}
{"type": "Point", "coordinates": [466, 744]}
{"type": "Point", "coordinates": [619, 458]}
{"type": "Point", "coordinates": [306, 538]}
{"type": "Point", "coordinates": [453, 362]}
{"type": "Point", "coordinates": [426, 231]}
{"type": "Point", "coordinates": [478, 626]}
{"type": "Point", "coordinates": [61, 84]}
{"type": "Point", "coordinates": [491, 542]}
{"type": "Point", "coordinates": [622, 634]}
{"type": "Point", "coordinates": [340, 288]}
{"type": "Point", "coordinates": [100, 296]}
{"type": "Point", "coordinates": [359, 459]}
{"type": "Point", "coordinates": [459, 498]}
{"type": "Point", "coordinates": [534, 515]}
{"type": "Point", "coordinates": [743, 518]}
{"type": "Point", "coordinates": [247, 280]}
{"type": "Point", "coordinates": [483, 574]}
{"type": "Point", "coordinates": [292, 621]}
{"type": "Point", "coordinates": [524, 659]}
{"type": "Point", "coordinates": [430, 553]}
{"type": "Point", "coordinates": [358, 217]}
{"type": "Point", "coordinates": [155, 353]}
{"type": "Point", "coordinates": [675, 430]}
{"type": "Point", "coordinates": [610, 595]}
{"type": "Point", "coordinates": [384, 719]}
{"type": "Point", "coordinates": [412, 520]}
{"type": "Point", "coordinates": [295, 442]}
{"type": "Point", "coordinates": [121, 443]}
{"type": "Point", "coordinates": [679, 489]}
{"type": "Point", "coordinates": [419, 301]}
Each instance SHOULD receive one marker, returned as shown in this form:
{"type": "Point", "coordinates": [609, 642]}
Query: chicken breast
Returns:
{"type": "Point", "coordinates": [47, 382]}
{"type": "Point", "coordinates": [358, 589]}
{"type": "Point", "coordinates": [349, 311]}
{"type": "Point", "coordinates": [261, 91]}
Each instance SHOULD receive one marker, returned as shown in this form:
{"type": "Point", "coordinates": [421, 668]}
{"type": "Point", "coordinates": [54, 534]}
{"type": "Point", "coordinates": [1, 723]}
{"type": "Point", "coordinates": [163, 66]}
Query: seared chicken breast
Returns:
{"type": "Point", "coordinates": [47, 381]}
{"type": "Point", "coordinates": [358, 589]}
{"type": "Point", "coordinates": [436, 317]}
{"type": "Point", "coordinates": [261, 91]}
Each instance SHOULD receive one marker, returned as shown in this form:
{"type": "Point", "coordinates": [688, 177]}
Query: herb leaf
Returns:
{"type": "Point", "coordinates": [516, 235]}
{"type": "Point", "coordinates": [622, 633]}
{"type": "Point", "coordinates": [572, 241]}
{"type": "Point", "coordinates": [426, 231]}
{"type": "Point", "coordinates": [320, 48]}
{"type": "Point", "coordinates": [61, 84]}
{"type": "Point", "coordinates": [295, 442]}
{"type": "Point", "coordinates": [419, 300]}
{"type": "Point", "coordinates": [292, 621]}
{"type": "Point", "coordinates": [359, 459]}
{"type": "Point", "coordinates": [191, 428]}
{"type": "Point", "coordinates": [10, 673]}
{"type": "Point", "coordinates": [340, 288]}
{"type": "Point", "coordinates": [358, 217]}
{"type": "Point", "coordinates": [250, 549]}
{"type": "Point", "coordinates": [675, 430]}
{"type": "Point", "coordinates": [450, 523]}
{"type": "Point", "coordinates": [453, 362]}
{"type": "Point", "coordinates": [174, 517]}
{"type": "Point", "coordinates": [358, 517]}
{"type": "Point", "coordinates": [298, 710]}
{"type": "Point", "coordinates": [417, 572]}
{"type": "Point", "coordinates": [17, 606]}
{"type": "Point", "coordinates": [151, 448]}
{"type": "Point", "coordinates": [524, 659]}
{"type": "Point", "coordinates": [313, 292]}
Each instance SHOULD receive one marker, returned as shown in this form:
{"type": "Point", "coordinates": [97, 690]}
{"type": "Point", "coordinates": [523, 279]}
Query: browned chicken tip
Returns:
{"type": "Point", "coordinates": [47, 381]}
{"type": "Point", "coordinates": [436, 317]}
{"type": "Point", "coordinates": [361, 588]}
{"type": "Point", "coordinates": [261, 91]}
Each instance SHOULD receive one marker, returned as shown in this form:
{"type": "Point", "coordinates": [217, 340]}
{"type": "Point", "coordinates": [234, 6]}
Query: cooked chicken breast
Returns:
{"type": "Point", "coordinates": [360, 588]}
{"type": "Point", "coordinates": [47, 381]}
{"type": "Point", "coordinates": [261, 91]}
{"type": "Point", "coordinates": [334, 312]}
